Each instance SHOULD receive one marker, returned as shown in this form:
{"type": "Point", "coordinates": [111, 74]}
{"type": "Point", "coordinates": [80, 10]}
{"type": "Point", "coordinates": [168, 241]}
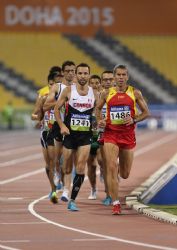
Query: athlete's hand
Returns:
{"type": "Point", "coordinates": [64, 130]}
{"type": "Point", "coordinates": [128, 120]}
{"type": "Point", "coordinates": [102, 124]}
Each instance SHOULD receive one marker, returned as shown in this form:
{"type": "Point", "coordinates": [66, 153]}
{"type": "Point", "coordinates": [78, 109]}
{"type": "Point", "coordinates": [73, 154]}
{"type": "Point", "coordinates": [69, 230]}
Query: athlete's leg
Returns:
{"type": "Point", "coordinates": [58, 165]}
{"type": "Point", "coordinates": [51, 153]}
{"type": "Point", "coordinates": [110, 154]}
{"type": "Point", "coordinates": [67, 171]}
{"type": "Point", "coordinates": [82, 155]}
{"type": "Point", "coordinates": [92, 165]}
{"type": "Point", "coordinates": [125, 162]}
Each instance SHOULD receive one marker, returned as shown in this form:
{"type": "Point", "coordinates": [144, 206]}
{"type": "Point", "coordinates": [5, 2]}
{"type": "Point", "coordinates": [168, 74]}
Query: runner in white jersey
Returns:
{"type": "Point", "coordinates": [68, 70]}
{"type": "Point", "coordinates": [77, 128]}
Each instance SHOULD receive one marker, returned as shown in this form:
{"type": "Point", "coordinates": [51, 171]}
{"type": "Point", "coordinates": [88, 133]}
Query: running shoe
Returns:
{"type": "Point", "coordinates": [72, 206]}
{"type": "Point", "coordinates": [59, 186]}
{"type": "Point", "coordinates": [64, 196]}
{"type": "Point", "coordinates": [54, 198]}
{"type": "Point", "coordinates": [50, 195]}
{"type": "Point", "coordinates": [116, 209]}
{"type": "Point", "coordinates": [92, 195]}
{"type": "Point", "coordinates": [107, 201]}
{"type": "Point", "coordinates": [56, 178]}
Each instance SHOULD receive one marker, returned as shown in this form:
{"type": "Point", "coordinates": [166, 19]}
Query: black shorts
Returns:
{"type": "Point", "coordinates": [50, 138]}
{"type": "Point", "coordinates": [44, 139]}
{"type": "Point", "coordinates": [73, 141]}
{"type": "Point", "coordinates": [55, 132]}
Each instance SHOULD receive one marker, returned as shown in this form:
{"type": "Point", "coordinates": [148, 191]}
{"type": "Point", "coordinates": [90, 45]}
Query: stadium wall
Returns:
{"type": "Point", "coordinates": [88, 17]}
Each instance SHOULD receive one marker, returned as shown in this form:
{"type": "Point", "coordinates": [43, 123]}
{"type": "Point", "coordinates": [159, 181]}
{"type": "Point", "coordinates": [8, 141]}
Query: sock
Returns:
{"type": "Point", "coordinates": [47, 171]}
{"type": "Point", "coordinates": [77, 182]}
{"type": "Point", "coordinates": [116, 202]}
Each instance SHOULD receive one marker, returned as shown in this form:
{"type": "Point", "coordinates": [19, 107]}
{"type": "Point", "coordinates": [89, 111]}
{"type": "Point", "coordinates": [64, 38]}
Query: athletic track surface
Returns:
{"type": "Point", "coordinates": [29, 221]}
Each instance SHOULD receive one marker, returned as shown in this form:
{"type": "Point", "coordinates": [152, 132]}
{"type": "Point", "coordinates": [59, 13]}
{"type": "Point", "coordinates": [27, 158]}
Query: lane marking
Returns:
{"type": "Point", "coordinates": [8, 248]}
{"type": "Point", "coordinates": [32, 211]}
{"type": "Point", "coordinates": [96, 239]}
{"type": "Point", "coordinates": [22, 223]}
{"type": "Point", "coordinates": [19, 150]}
{"type": "Point", "coordinates": [15, 198]}
{"type": "Point", "coordinates": [136, 243]}
{"type": "Point", "coordinates": [14, 210]}
{"type": "Point", "coordinates": [38, 171]}
{"type": "Point", "coordinates": [14, 241]}
{"type": "Point", "coordinates": [21, 160]}
{"type": "Point", "coordinates": [155, 144]}
{"type": "Point", "coordinates": [137, 153]}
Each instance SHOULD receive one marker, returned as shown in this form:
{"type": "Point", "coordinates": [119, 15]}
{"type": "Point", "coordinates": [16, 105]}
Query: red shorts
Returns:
{"type": "Point", "coordinates": [124, 140]}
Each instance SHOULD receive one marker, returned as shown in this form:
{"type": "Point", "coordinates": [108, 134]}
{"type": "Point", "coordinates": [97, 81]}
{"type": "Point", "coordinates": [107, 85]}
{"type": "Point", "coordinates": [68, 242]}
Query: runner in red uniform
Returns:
{"type": "Point", "coordinates": [119, 135]}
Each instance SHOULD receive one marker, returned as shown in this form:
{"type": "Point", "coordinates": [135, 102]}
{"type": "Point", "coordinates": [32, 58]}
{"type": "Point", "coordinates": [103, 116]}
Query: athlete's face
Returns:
{"type": "Point", "coordinates": [58, 78]}
{"type": "Point", "coordinates": [95, 83]}
{"type": "Point", "coordinates": [51, 83]}
{"type": "Point", "coordinates": [83, 75]}
{"type": "Point", "coordinates": [121, 77]}
{"type": "Point", "coordinates": [69, 73]}
{"type": "Point", "coordinates": [107, 80]}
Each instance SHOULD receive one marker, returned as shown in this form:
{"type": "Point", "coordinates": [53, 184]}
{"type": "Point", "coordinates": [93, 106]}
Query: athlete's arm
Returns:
{"type": "Point", "coordinates": [34, 115]}
{"type": "Point", "coordinates": [51, 101]}
{"type": "Point", "coordinates": [100, 121]}
{"type": "Point", "coordinates": [145, 113]}
{"type": "Point", "coordinates": [59, 104]}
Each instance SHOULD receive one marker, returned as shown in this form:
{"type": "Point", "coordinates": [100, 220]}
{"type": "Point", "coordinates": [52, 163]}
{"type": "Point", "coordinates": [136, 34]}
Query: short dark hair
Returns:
{"type": "Point", "coordinates": [50, 77]}
{"type": "Point", "coordinates": [121, 66]}
{"type": "Point", "coordinates": [55, 69]}
{"type": "Point", "coordinates": [84, 65]}
{"type": "Point", "coordinates": [95, 77]}
{"type": "Point", "coordinates": [106, 72]}
{"type": "Point", "coordinates": [67, 63]}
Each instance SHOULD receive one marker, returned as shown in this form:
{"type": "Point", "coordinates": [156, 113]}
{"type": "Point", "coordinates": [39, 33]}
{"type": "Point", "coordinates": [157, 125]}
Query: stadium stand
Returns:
{"type": "Point", "coordinates": [36, 53]}
{"type": "Point", "coordinates": [17, 83]}
{"type": "Point", "coordinates": [106, 60]}
{"type": "Point", "coordinates": [158, 51]}
{"type": "Point", "coordinates": [6, 96]}
{"type": "Point", "coordinates": [146, 69]}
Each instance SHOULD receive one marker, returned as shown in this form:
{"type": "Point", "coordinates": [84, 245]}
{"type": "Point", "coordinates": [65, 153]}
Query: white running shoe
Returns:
{"type": "Point", "coordinates": [92, 195]}
{"type": "Point", "coordinates": [56, 178]}
{"type": "Point", "coordinates": [65, 195]}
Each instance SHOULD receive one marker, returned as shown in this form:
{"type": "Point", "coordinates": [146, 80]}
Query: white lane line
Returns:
{"type": "Point", "coordinates": [96, 239]}
{"type": "Point", "coordinates": [155, 144]}
{"type": "Point", "coordinates": [15, 198]}
{"type": "Point", "coordinates": [13, 241]}
{"type": "Point", "coordinates": [13, 210]}
{"type": "Point", "coordinates": [22, 223]}
{"type": "Point", "coordinates": [19, 150]}
{"type": "Point", "coordinates": [38, 171]}
{"type": "Point", "coordinates": [144, 136]}
{"type": "Point", "coordinates": [8, 248]}
{"type": "Point", "coordinates": [20, 160]}
{"type": "Point", "coordinates": [136, 243]}
{"type": "Point", "coordinates": [137, 153]}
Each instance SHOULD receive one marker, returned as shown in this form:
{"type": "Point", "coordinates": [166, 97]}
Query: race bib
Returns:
{"type": "Point", "coordinates": [80, 122]}
{"type": "Point", "coordinates": [104, 112]}
{"type": "Point", "coordinates": [118, 114]}
{"type": "Point", "coordinates": [51, 117]}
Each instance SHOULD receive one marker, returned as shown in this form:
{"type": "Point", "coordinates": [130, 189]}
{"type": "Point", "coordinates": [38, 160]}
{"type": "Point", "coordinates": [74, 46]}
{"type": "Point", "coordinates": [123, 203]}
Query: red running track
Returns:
{"type": "Point", "coordinates": [29, 221]}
